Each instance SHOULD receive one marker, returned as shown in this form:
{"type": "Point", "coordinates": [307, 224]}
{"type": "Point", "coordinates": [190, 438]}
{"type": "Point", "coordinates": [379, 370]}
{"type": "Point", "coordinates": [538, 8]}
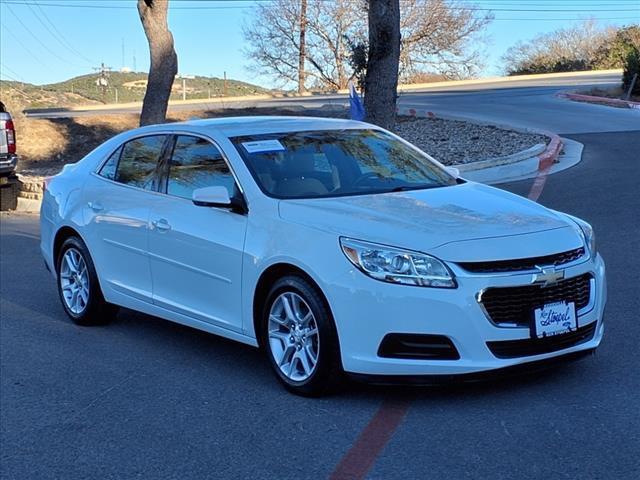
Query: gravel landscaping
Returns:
{"type": "Point", "coordinates": [47, 144]}
{"type": "Point", "coordinates": [454, 142]}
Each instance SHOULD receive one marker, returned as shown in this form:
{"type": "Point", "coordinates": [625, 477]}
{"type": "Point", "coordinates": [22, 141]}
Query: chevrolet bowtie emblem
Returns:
{"type": "Point", "coordinates": [547, 276]}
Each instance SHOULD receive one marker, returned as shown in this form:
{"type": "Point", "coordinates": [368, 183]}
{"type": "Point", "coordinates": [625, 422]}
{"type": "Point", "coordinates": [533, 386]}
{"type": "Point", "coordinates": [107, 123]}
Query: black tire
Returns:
{"type": "Point", "coordinates": [328, 371]}
{"type": "Point", "coordinates": [96, 311]}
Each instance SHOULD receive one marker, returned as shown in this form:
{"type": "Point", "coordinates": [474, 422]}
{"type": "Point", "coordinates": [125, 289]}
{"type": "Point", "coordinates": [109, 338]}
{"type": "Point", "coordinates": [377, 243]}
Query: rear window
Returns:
{"type": "Point", "coordinates": [139, 160]}
{"type": "Point", "coordinates": [331, 163]}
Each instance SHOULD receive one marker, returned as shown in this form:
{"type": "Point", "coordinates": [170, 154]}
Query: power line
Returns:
{"type": "Point", "coordinates": [61, 36]}
{"type": "Point", "coordinates": [24, 47]}
{"type": "Point", "coordinates": [36, 38]}
{"type": "Point", "coordinates": [13, 72]}
{"type": "Point", "coordinates": [50, 31]}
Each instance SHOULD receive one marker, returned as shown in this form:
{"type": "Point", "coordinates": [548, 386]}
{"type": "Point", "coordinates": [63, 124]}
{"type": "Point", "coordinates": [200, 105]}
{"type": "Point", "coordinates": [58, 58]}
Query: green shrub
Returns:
{"type": "Point", "coordinates": [613, 53]}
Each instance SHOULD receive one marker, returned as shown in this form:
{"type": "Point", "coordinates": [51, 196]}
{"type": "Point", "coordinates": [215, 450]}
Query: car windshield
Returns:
{"type": "Point", "coordinates": [331, 163]}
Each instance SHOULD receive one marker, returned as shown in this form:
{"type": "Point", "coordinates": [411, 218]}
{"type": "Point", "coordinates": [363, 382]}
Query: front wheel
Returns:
{"type": "Point", "coordinates": [78, 285]}
{"type": "Point", "coordinates": [300, 337]}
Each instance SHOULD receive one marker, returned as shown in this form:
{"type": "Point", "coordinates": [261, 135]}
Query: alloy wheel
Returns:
{"type": "Point", "coordinates": [293, 337]}
{"type": "Point", "coordinates": [74, 281]}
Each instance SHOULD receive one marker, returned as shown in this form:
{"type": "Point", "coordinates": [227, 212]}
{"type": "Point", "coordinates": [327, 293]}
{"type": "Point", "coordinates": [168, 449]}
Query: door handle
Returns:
{"type": "Point", "coordinates": [161, 225]}
{"type": "Point", "coordinates": [95, 206]}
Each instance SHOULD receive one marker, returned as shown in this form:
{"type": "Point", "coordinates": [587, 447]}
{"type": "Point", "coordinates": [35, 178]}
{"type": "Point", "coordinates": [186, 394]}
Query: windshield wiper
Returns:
{"type": "Point", "coordinates": [405, 188]}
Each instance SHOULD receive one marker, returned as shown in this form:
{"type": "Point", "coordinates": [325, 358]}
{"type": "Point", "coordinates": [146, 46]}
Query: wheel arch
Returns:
{"type": "Point", "coordinates": [266, 279]}
{"type": "Point", "coordinates": [58, 240]}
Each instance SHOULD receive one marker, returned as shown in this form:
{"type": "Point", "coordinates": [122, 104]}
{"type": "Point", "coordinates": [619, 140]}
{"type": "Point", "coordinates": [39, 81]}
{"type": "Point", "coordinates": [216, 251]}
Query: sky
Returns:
{"type": "Point", "coordinates": [46, 41]}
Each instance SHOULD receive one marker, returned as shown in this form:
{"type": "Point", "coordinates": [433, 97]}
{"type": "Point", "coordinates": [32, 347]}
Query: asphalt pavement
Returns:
{"type": "Point", "coordinates": [145, 398]}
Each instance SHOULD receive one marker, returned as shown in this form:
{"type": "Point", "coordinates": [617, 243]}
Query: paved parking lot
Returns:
{"type": "Point", "coordinates": [144, 398]}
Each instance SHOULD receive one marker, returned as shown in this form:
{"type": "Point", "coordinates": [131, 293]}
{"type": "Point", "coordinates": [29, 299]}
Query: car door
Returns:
{"type": "Point", "coordinates": [196, 252]}
{"type": "Point", "coordinates": [119, 198]}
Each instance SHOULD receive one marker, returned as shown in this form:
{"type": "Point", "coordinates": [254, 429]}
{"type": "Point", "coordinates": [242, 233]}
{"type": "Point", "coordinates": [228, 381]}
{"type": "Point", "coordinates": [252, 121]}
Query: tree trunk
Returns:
{"type": "Point", "coordinates": [164, 61]}
{"type": "Point", "coordinates": [381, 80]}
{"type": "Point", "coordinates": [302, 53]}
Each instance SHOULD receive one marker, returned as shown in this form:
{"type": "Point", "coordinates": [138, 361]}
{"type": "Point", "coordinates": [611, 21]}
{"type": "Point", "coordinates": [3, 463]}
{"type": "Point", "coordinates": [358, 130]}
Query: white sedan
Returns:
{"type": "Point", "coordinates": [334, 245]}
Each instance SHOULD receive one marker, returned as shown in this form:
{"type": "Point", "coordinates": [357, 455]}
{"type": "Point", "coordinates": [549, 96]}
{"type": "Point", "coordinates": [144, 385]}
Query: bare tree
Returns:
{"type": "Point", "coordinates": [302, 42]}
{"type": "Point", "coordinates": [381, 79]}
{"type": "Point", "coordinates": [164, 61]}
{"type": "Point", "coordinates": [273, 36]}
{"type": "Point", "coordinates": [438, 36]}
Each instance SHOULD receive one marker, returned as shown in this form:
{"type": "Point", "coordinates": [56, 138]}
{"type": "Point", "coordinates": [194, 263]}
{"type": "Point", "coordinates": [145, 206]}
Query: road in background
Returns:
{"type": "Point", "coordinates": [528, 102]}
{"type": "Point", "coordinates": [145, 398]}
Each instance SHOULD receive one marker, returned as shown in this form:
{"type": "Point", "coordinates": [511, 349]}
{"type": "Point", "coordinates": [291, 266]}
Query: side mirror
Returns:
{"type": "Point", "coordinates": [453, 171]}
{"type": "Point", "coordinates": [211, 197]}
{"type": "Point", "coordinates": [218, 197]}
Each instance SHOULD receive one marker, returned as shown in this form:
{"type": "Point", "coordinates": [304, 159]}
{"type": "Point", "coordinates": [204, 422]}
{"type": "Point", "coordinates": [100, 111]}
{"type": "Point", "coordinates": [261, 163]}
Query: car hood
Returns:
{"type": "Point", "coordinates": [467, 222]}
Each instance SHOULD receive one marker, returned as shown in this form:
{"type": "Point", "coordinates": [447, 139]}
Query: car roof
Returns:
{"type": "Point", "coordinates": [256, 125]}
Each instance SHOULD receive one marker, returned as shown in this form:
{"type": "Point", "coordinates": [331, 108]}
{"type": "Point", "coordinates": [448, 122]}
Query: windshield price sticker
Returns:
{"type": "Point", "coordinates": [262, 146]}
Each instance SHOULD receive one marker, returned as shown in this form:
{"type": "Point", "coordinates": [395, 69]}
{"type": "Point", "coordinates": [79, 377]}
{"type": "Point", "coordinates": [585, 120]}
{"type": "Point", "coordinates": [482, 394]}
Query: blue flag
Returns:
{"type": "Point", "coordinates": [355, 104]}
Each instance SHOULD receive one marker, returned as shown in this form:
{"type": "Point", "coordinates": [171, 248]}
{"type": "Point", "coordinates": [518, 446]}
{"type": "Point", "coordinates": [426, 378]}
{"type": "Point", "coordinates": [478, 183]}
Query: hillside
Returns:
{"type": "Point", "coordinates": [130, 87]}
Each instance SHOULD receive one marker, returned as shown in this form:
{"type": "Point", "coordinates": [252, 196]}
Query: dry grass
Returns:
{"type": "Point", "coordinates": [45, 145]}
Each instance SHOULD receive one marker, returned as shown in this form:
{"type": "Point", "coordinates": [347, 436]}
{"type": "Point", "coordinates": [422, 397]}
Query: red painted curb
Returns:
{"type": "Point", "coordinates": [614, 102]}
{"type": "Point", "coordinates": [550, 155]}
{"type": "Point", "coordinates": [545, 160]}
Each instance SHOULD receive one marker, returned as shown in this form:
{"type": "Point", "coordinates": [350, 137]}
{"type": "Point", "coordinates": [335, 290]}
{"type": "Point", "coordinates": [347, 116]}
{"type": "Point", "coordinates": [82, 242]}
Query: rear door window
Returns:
{"type": "Point", "coordinates": [139, 161]}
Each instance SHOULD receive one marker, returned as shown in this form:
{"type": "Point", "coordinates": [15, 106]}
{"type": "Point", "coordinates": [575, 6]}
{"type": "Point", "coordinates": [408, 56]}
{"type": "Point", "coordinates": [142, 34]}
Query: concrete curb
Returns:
{"type": "Point", "coordinates": [610, 102]}
{"type": "Point", "coordinates": [505, 160]}
{"type": "Point", "coordinates": [495, 170]}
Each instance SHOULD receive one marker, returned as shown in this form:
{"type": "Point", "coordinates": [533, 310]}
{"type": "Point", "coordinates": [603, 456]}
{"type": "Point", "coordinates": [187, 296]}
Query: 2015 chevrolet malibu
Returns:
{"type": "Point", "coordinates": [333, 245]}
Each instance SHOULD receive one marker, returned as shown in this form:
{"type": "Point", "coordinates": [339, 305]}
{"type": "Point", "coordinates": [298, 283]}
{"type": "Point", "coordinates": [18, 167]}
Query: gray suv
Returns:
{"type": "Point", "coordinates": [8, 156]}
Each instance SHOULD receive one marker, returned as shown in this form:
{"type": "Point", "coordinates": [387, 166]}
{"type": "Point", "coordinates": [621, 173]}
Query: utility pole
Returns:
{"type": "Point", "coordinates": [631, 86]}
{"type": "Point", "coordinates": [103, 80]}
{"type": "Point", "coordinates": [184, 84]}
{"type": "Point", "coordinates": [224, 85]}
{"type": "Point", "coordinates": [302, 53]}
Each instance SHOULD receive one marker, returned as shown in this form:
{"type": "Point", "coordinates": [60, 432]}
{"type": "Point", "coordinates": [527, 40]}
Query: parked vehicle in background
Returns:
{"type": "Point", "coordinates": [333, 245]}
{"type": "Point", "coordinates": [8, 155]}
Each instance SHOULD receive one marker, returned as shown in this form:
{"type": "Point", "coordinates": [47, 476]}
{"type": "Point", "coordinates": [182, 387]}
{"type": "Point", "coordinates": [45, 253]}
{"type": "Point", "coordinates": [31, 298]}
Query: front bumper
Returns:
{"type": "Point", "coordinates": [366, 310]}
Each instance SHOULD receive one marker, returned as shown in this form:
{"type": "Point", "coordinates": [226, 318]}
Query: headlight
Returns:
{"type": "Point", "coordinates": [587, 234]}
{"type": "Point", "coordinates": [589, 237]}
{"type": "Point", "coordinates": [395, 265]}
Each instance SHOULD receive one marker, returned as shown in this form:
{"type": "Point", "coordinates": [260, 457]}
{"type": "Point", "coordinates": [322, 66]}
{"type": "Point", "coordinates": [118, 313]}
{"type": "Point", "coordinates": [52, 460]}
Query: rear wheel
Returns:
{"type": "Point", "coordinates": [300, 337]}
{"type": "Point", "coordinates": [78, 285]}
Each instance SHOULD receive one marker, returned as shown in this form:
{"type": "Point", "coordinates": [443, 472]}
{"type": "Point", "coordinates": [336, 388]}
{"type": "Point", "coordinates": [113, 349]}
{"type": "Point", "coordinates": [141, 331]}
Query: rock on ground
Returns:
{"type": "Point", "coordinates": [455, 142]}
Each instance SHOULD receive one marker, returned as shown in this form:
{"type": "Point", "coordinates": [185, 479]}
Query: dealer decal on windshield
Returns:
{"type": "Point", "coordinates": [262, 146]}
